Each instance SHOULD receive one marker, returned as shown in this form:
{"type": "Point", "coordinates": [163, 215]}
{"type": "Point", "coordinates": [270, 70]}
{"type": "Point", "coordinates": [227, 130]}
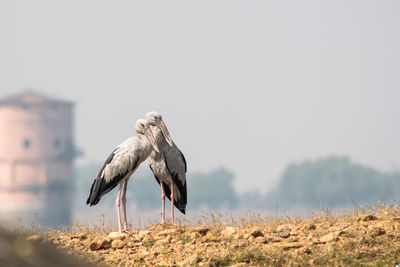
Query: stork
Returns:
{"type": "Point", "coordinates": [120, 165]}
{"type": "Point", "coordinates": [168, 166]}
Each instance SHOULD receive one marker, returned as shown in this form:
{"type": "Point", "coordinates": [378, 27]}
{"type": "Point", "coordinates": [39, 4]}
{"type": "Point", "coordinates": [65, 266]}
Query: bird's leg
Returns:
{"type": "Point", "coordinates": [117, 203]}
{"type": "Point", "coordinates": [172, 202]}
{"type": "Point", "coordinates": [124, 205]}
{"type": "Point", "coordinates": [163, 203]}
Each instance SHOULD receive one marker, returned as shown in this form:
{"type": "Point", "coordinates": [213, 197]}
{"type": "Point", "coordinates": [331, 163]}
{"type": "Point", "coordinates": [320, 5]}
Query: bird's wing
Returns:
{"type": "Point", "coordinates": [176, 165]}
{"type": "Point", "coordinates": [121, 162]}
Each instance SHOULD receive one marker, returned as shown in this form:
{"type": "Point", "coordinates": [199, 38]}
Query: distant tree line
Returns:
{"type": "Point", "coordinates": [328, 182]}
{"type": "Point", "coordinates": [333, 182]}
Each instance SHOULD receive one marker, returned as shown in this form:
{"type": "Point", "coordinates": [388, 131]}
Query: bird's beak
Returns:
{"type": "Point", "coordinates": [165, 132]}
{"type": "Point", "coordinates": [150, 136]}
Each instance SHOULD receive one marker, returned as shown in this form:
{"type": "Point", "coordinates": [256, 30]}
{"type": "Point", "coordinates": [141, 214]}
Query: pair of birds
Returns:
{"type": "Point", "coordinates": [153, 142]}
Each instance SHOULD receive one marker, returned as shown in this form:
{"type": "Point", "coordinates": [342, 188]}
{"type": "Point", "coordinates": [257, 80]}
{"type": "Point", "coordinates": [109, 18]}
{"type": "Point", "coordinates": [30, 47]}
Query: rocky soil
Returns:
{"type": "Point", "coordinates": [359, 238]}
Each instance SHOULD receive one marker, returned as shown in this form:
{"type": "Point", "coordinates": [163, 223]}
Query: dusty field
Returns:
{"type": "Point", "coordinates": [360, 238]}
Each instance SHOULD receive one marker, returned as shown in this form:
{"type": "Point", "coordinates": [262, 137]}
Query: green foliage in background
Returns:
{"type": "Point", "coordinates": [213, 189]}
{"type": "Point", "coordinates": [334, 181]}
{"type": "Point", "coordinates": [327, 182]}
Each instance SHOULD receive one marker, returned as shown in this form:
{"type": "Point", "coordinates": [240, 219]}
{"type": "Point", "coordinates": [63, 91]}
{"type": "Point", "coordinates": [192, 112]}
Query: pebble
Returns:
{"type": "Point", "coordinates": [202, 230]}
{"type": "Point", "coordinates": [329, 237]}
{"type": "Point", "coordinates": [304, 250]}
{"type": "Point", "coordinates": [312, 227]}
{"type": "Point", "coordinates": [98, 243]}
{"type": "Point", "coordinates": [369, 217]}
{"type": "Point", "coordinates": [260, 239]}
{"type": "Point", "coordinates": [194, 235]}
{"type": "Point", "coordinates": [376, 231]}
{"type": "Point", "coordinates": [284, 234]}
{"type": "Point", "coordinates": [287, 246]}
{"type": "Point", "coordinates": [117, 243]}
{"type": "Point", "coordinates": [257, 233]}
{"type": "Point", "coordinates": [228, 231]}
{"type": "Point", "coordinates": [117, 235]}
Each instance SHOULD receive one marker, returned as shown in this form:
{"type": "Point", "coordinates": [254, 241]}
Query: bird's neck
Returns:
{"type": "Point", "coordinates": [160, 139]}
{"type": "Point", "coordinates": [145, 144]}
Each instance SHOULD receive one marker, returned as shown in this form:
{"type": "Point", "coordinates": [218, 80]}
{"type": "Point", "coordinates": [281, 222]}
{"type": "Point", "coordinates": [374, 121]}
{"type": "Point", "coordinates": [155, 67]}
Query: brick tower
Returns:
{"type": "Point", "coordinates": [36, 157]}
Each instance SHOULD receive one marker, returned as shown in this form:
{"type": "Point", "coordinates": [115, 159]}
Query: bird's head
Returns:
{"type": "Point", "coordinates": [154, 118]}
{"type": "Point", "coordinates": [142, 127]}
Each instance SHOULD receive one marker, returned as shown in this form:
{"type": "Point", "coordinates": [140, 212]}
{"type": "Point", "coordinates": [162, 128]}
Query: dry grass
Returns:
{"type": "Point", "coordinates": [365, 237]}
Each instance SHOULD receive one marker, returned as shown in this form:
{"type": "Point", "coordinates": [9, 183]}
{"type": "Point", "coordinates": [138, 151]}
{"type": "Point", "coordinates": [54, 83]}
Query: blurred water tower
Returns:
{"type": "Point", "coordinates": [36, 158]}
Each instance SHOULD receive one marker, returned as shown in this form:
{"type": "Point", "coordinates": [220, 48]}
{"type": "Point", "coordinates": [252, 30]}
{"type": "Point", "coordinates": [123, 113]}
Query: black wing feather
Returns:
{"type": "Point", "coordinates": [100, 187]}
{"type": "Point", "coordinates": [180, 200]}
{"type": "Point", "coordinates": [184, 160]}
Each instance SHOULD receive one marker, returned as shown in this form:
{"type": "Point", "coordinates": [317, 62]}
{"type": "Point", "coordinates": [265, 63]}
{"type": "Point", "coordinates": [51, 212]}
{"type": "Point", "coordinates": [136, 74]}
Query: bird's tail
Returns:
{"type": "Point", "coordinates": [95, 192]}
{"type": "Point", "coordinates": [180, 196]}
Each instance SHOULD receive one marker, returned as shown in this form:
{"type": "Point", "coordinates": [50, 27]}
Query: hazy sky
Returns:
{"type": "Point", "coordinates": [250, 85]}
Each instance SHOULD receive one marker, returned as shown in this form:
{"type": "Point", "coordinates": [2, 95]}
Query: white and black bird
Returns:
{"type": "Point", "coordinates": [121, 164]}
{"type": "Point", "coordinates": [168, 166]}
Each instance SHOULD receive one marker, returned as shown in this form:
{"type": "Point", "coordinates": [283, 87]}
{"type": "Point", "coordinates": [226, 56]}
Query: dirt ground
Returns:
{"type": "Point", "coordinates": [360, 238]}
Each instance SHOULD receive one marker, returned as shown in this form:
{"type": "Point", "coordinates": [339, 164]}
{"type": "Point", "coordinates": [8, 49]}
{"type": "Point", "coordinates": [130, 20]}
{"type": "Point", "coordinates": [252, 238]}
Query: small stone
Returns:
{"type": "Point", "coordinates": [260, 239]}
{"type": "Point", "coordinates": [369, 217]}
{"type": "Point", "coordinates": [202, 230]}
{"type": "Point", "coordinates": [228, 231]}
{"type": "Point", "coordinates": [287, 246]}
{"type": "Point", "coordinates": [304, 250]}
{"type": "Point", "coordinates": [98, 243]}
{"type": "Point", "coordinates": [376, 231]}
{"type": "Point", "coordinates": [79, 236]}
{"type": "Point", "coordinates": [257, 233]}
{"type": "Point", "coordinates": [284, 234]}
{"type": "Point", "coordinates": [284, 228]}
{"type": "Point", "coordinates": [117, 243]}
{"type": "Point", "coordinates": [329, 237]}
{"type": "Point", "coordinates": [117, 235]}
{"type": "Point", "coordinates": [340, 233]}
{"type": "Point", "coordinates": [312, 227]}
{"type": "Point", "coordinates": [35, 238]}
{"type": "Point", "coordinates": [194, 235]}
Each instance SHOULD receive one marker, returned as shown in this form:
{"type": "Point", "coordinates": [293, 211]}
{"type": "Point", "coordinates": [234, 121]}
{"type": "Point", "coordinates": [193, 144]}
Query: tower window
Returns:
{"type": "Point", "coordinates": [57, 143]}
{"type": "Point", "coordinates": [27, 143]}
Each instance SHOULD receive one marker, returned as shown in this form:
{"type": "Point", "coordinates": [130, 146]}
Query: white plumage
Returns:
{"type": "Point", "coordinates": [120, 165]}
